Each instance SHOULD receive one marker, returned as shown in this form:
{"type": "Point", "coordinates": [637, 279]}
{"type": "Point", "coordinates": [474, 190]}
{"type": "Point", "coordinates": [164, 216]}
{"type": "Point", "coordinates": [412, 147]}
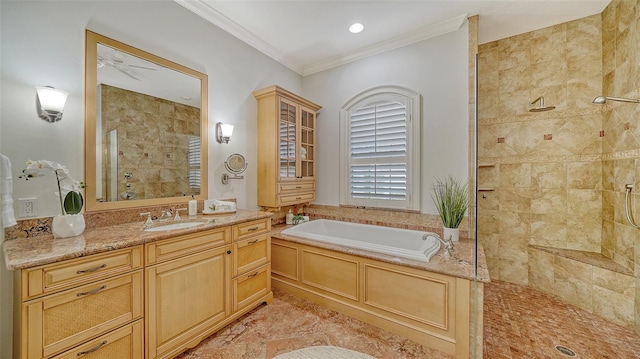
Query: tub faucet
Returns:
{"type": "Point", "coordinates": [448, 243]}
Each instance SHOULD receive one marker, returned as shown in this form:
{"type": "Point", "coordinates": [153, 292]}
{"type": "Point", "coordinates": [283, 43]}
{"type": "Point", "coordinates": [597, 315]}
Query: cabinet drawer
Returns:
{"type": "Point", "coordinates": [297, 198]}
{"type": "Point", "coordinates": [55, 277]}
{"type": "Point", "coordinates": [63, 320]}
{"type": "Point", "coordinates": [251, 287]}
{"type": "Point", "coordinates": [180, 246]}
{"type": "Point", "coordinates": [251, 253]}
{"type": "Point", "coordinates": [250, 229]}
{"type": "Point", "coordinates": [296, 187]}
{"type": "Point", "coordinates": [124, 343]}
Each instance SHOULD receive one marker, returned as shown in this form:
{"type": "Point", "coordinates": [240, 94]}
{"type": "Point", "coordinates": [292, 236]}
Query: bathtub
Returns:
{"type": "Point", "coordinates": [396, 242]}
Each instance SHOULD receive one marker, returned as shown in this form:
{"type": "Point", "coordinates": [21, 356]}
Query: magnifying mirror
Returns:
{"type": "Point", "coordinates": [236, 164]}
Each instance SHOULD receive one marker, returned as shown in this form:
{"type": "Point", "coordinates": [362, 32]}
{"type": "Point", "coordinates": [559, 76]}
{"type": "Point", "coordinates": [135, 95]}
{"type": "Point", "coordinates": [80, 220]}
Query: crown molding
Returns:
{"type": "Point", "coordinates": [202, 9]}
{"type": "Point", "coordinates": [409, 38]}
{"type": "Point", "coordinates": [207, 12]}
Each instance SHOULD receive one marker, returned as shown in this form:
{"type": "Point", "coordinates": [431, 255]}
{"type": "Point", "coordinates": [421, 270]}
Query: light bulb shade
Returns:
{"type": "Point", "coordinates": [223, 132]}
{"type": "Point", "coordinates": [50, 103]}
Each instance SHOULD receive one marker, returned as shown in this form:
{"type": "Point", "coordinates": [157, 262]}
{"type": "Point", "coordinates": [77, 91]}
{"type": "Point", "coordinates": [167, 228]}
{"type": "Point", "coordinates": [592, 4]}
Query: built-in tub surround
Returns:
{"type": "Point", "coordinates": [382, 217]}
{"type": "Point", "coordinates": [404, 243]}
{"type": "Point", "coordinates": [429, 302]}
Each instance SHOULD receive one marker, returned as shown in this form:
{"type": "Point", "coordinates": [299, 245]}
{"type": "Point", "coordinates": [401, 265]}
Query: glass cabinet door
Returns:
{"type": "Point", "coordinates": [287, 142]}
{"type": "Point", "coordinates": [307, 143]}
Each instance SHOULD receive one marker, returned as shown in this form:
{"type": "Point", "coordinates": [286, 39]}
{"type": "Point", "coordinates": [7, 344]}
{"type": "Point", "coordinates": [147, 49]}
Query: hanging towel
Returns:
{"type": "Point", "coordinates": [6, 192]}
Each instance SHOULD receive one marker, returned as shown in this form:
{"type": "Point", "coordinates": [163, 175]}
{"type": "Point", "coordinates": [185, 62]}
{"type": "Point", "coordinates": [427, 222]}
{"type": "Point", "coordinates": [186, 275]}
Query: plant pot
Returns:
{"type": "Point", "coordinates": [68, 226]}
{"type": "Point", "coordinates": [453, 233]}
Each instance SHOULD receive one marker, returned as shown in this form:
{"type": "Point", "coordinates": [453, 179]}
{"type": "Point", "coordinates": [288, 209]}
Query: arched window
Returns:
{"type": "Point", "coordinates": [380, 149]}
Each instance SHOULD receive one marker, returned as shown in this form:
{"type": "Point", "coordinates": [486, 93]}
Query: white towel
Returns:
{"type": "Point", "coordinates": [6, 192]}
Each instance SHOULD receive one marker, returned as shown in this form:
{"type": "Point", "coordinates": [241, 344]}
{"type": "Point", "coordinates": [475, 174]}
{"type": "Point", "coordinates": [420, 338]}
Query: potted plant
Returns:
{"type": "Point", "coordinates": [451, 197]}
{"type": "Point", "coordinates": [71, 222]}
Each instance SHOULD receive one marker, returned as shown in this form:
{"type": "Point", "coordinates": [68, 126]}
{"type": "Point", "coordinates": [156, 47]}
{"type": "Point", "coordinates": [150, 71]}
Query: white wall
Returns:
{"type": "Point", "coordinates": [43, 44]}
{"type": "Point", "coordinates": [437, 68]}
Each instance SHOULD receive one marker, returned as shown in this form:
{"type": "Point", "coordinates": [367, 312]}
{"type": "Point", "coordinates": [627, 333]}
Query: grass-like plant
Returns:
{"type": "Point", "coordinates": [451, 197]}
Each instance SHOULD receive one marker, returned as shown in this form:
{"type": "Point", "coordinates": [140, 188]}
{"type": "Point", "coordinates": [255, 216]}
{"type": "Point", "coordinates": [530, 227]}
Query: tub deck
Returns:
{"type": "Point", "coordinates": [430, 303]}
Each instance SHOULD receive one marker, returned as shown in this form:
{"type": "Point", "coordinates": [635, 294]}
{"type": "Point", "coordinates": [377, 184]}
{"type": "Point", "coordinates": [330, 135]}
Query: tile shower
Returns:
{"type": "Point", "coordinates": [551, 207]}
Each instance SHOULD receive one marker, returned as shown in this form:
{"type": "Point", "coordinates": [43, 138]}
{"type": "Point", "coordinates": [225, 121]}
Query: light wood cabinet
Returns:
{"type": "Point", "coordinates": [251, 251]}
{"type": "Point", "coordinates": [125, 342]}
{"type": "Point", "coordinates": [286, 148]}
{"type": "Point", "coordinates": [143, 302]}
{"type": "Point", "coordinates": [200, 282]}
{"type": "Point", "coordinates": [186, 297]}
{"type": "Point", "coordinates": [64, 306]}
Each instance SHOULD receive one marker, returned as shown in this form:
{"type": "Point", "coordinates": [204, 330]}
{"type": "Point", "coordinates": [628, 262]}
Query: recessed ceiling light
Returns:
{"type": "Point", "coordinates": [356, 28]}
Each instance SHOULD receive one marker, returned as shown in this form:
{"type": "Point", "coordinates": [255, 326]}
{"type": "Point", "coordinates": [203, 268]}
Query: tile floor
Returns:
{"type": "Point", "coordinates": [519, 322]}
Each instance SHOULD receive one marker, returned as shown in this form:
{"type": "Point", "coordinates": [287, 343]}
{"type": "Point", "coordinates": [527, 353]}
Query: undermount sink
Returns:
{"type": "Point", "coordinates": [172, 226]}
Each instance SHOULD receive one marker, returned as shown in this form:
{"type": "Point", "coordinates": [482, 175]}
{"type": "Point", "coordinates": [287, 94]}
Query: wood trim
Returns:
{"type": "Point", "coordinates": [90, 100]}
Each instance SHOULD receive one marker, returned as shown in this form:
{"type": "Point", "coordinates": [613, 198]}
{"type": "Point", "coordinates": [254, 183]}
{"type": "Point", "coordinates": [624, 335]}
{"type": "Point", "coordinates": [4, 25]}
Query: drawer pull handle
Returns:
{"type": "Point", "coordinates": [93, 291]}
{"type": "Point", "coordinates": [252, 242]}
{"type": "Point", "coordinates": [298, 187]}
{"type": "Point", "coordinates": [97, 347]}
{"type": "Point", "coordinates": [298, 197]}
{"type": "Point", "coordinates": [228, 252]}
{"type": "Point", "coordinates": [82, 271]}
{"type": "Point", "coordinates": [252, 275]}
{"type": "Point", "coordinates": [253, 229]}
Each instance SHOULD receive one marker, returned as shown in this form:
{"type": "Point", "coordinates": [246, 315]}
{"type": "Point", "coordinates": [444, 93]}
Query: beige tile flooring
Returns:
{"type": "Point", "coordinates": [519, 322]}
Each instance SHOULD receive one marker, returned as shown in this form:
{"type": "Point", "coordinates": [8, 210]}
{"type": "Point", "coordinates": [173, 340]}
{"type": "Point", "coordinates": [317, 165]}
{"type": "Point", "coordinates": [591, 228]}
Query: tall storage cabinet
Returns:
{"type": "Point", "coordinates": [286, 148]}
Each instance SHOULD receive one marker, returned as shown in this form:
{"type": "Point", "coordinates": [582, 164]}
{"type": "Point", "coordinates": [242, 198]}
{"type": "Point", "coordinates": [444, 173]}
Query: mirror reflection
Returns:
{"type": "Point", "coordinates": [147, 116]}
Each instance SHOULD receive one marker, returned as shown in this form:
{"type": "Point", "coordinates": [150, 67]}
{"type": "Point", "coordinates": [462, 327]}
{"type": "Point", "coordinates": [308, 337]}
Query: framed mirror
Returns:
{"type": "Point", "coordinates": [145, 128]}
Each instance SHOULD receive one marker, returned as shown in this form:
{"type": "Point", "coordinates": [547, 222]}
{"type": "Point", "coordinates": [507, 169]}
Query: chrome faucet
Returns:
{"type": "Point", "coordinates": [177, 217]}
{"type": "Point", "coordinates": [448, 243]}
{"type": "Point", "coordinates": [166, 215]}
{"type": "Point", "coordinates": [149, 220]}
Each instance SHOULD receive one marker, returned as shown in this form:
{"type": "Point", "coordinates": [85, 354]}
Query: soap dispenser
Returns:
{"type": "Point", "coordinates": [289, 218]}
{"type": "Point", "coordinates": [193, 206]}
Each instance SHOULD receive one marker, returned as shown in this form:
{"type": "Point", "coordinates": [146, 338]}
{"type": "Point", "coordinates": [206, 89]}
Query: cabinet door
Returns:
{"type": "Point", "coordinates": [185, 298]}
{"type": "Point", "coordinates": [250, 253]}
{"type": "Point", "coordinates": [307, 143]}
{"type": "Point", "coordinates": [288, 139]}
{"type": "Point", "coordinates": [63, 320]}
{"type": "Point", "coordinates": [251, 287]}
{"type": "Point", "coordinates": [123, 343]}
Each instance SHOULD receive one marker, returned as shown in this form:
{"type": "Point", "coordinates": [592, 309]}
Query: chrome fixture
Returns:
{"type": "Point", "coordinates": [601, 100]}
{"type": "Point", "coordinates": [627, 206]}
{"type": "Point", "coordinates": [177, 217]}
{"type": "Point", "coordinates": [541, 107]}
{"type": "Point", "coordinates": [223, 132]}
{"type": "Point", "coordinates": [50, 103]}
{"type": "Point", "coordinates": [448, 243]}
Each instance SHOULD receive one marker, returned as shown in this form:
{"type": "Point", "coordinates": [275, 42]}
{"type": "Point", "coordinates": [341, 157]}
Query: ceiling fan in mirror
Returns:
{"type": "Point", "coordinates": [117, 61]}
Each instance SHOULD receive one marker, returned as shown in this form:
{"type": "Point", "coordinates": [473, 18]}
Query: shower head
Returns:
{"type": "Point", "coordinates": [601, 100]}
{"type": "Point", "coordinates": [540, 108]}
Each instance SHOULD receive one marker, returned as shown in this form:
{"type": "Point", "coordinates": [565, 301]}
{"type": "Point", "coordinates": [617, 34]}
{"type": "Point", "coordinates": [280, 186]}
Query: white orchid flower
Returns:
{"type": "Point", "coordinates": [66, 183]}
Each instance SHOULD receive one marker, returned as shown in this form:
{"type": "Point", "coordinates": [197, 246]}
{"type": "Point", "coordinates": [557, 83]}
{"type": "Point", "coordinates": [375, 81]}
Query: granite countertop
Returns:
{"type": "Point", "coordinates": [459, 264]}
{"type": "Point", "coordinates": [30, 252]}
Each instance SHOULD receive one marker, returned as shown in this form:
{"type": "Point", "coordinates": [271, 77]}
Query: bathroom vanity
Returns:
{"type": "Point", "coordinates": [121, 292]}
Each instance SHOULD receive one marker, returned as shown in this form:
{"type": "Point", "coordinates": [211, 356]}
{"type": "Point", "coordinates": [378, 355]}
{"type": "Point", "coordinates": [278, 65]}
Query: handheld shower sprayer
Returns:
{"type": "Point", "coordinates": [601, 100]}
{"type": "Point", "coordinates": [541, 107]}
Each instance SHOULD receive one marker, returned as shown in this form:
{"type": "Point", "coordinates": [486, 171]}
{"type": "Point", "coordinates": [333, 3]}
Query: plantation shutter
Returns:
{"type": "Point", "coordinates": [194, 162]}
{"type": "Point", "coordinates": [378, 151]}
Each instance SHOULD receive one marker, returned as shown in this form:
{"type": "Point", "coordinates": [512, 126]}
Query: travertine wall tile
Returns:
{"type": "Point", "coordinates": [541, 269]}
{"type": "Point", "coordinates": [573, 282]}
{"type": "Point", "coordinates": [613, 306]}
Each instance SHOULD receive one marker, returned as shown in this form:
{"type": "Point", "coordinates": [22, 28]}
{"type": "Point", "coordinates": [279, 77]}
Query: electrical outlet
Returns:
{"type": "Point", "coordinates": [27, 207]}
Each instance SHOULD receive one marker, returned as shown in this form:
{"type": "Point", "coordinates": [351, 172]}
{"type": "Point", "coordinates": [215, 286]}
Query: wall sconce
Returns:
{"type": "Point", "coordinates": [50, 103]}
{"type": "Point", "coordinates": [223, 132]}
